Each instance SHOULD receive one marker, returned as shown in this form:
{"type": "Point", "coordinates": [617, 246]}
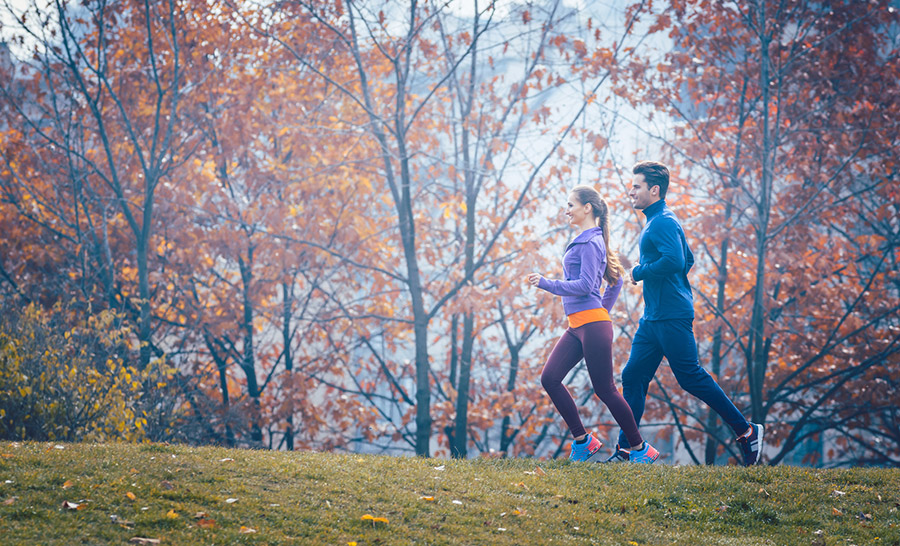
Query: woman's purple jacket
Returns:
{"type": "Point", "coordinates": [583, 267]}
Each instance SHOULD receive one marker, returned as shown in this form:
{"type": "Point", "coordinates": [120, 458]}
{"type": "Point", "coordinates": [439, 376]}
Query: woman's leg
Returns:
{"type": "Point", "coordinates": [596, 341]}
{"type": "Point", "coordinates": [565, 355]}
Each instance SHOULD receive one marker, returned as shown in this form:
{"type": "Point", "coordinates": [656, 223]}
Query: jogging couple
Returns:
{"type": "Point", "coordinates": [665, 330]}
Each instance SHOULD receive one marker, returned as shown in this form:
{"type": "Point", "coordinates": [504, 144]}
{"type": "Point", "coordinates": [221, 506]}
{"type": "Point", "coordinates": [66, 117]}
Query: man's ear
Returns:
{"type": "Point", "coordinates": [654, 190]}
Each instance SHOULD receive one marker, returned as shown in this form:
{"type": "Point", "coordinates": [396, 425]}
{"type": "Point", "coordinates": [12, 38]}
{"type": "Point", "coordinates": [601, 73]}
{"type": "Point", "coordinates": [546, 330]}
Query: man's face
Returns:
{"type": "Point", "coordinates": [641, 195]}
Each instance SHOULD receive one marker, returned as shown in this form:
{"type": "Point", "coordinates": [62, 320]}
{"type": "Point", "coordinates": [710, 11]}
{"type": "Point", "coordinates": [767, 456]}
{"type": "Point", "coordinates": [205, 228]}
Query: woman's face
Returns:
{"type": "Point", "coordinates": [577, 212]}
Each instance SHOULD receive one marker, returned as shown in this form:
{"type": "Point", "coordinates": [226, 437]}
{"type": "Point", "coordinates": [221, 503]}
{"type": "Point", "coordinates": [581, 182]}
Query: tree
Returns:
{"type": "Point", "coordinates": [778, 135]}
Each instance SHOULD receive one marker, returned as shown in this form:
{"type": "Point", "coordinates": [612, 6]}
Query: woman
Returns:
{"type": "Point", "coordinates": [586, 264]}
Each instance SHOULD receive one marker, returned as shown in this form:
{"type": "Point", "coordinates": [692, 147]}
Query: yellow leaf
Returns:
{"type": "Point", "coordinates": [131, 496]}
{"type": "Point", "coordinates": [836, 512]}
{"type": "Point", "coordinates": [383, 520]}
{"type": "Point", "coordinates": [172, 514]}
{"type": "Point", "coordinates": [427, 498]}
{"type": "Point", "coordinates": [246, 530]}
{"type": "Point", "coordinates": [68, 484]}
{"type": "Point", "coordinates": [368, 516]}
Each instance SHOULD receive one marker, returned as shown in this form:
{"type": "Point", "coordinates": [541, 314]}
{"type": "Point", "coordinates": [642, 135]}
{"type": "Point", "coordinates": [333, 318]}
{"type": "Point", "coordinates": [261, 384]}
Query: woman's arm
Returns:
{"type": "Point", "coordinates": [590, 255]}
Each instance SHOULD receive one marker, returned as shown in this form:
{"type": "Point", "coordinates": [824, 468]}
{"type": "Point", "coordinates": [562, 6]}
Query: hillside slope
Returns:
{"type": "Point", "coordinates": [140, 494]}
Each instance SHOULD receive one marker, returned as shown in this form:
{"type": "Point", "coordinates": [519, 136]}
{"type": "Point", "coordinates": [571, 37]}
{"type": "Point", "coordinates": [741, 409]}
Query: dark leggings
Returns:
{"type": "Point", "coordinates": [593, 342]}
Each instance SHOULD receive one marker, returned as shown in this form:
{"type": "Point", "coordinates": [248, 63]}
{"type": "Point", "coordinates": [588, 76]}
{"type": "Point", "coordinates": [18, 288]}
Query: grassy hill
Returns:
{"type": "Point", "coordinates": [178, 495]}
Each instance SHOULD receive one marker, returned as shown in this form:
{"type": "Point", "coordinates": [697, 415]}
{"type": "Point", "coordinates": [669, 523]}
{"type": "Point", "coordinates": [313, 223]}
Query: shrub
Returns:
{"type": "Point", "coordinates": [67, 376]}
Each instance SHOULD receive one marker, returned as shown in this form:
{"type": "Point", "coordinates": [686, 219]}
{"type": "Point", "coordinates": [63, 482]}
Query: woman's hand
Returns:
{"type": "Point", "coordinates": [534, 278]}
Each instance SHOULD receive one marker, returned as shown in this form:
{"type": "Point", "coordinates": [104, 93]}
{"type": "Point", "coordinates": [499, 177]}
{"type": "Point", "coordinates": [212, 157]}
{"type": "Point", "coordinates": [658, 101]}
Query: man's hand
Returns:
{"type": "Point", "coordinates": [629, 276]}
{"type": "Point", "coordinates": [534, 278]}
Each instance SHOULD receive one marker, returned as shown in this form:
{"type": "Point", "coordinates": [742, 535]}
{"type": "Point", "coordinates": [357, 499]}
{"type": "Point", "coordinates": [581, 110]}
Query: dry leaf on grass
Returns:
{"type": "Point", "coordinates": [172, 514]}
{"type": "Point", "coordinates": [71, 505]}
{"type": "Point", "coordinates": [68, 484]}
{"type": "Point", "coordinates": [10, 501]}
{"type": "Point", "coordinates": [167, 485]}
{"type": "Point", "coordinates": [246, 530]}
{"type": "Point", "coordinates": [427, 498]}
{"type": "Point", "coordinates": [142, 540]}
{"type": "Point", "coordinates": [373, 519]}
{"type": "Point", "coordinates": [131, 496]}
{"type": "Point", "coordinates": [230, 500]}
{"type": "Point", "coordinates": [206, 523]}
{"type": "Point", "coordinates": [836, 512]}
{"type": "Point", "coordinates": [123, 522]}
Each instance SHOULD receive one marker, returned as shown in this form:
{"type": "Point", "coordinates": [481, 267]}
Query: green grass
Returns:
{"type": "Point", "coordinates": [320, 498]}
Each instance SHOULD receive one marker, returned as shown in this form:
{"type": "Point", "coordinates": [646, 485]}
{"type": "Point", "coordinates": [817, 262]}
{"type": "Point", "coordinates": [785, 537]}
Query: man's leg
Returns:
{"type": "Point", "coordinates": [680, 349]}
{"type": "Point", "coordinates": [643, 361]}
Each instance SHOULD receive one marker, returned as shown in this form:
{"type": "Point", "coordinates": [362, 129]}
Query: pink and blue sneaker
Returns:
{"type": "Point", "coordinates": [586, 451]}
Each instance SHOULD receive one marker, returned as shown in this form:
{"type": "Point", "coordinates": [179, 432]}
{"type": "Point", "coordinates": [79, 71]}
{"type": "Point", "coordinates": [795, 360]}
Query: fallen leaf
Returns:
{"type": "Point", "coordinates": [722, 508]}
{"type": "Point", "coordinates": [427, 498]}
{"type": "Point", "coordinates": [167, 485]}
{"type": "Point", "coordinates": [131, 496]}
{"type": "Point", "coordinates": [225, 460]}
{"type": "Point", "coordinates": [10, 501]}
{"type": "Point", "coordinates": [206, 523]}
{"type": "Point", "coordinates": [836, 512]}
{"type": "Point", "coordinates": [501, 528]}
{"type": "Point", "coordinates": [7, 455]}
{"type": "Point", "coordinates": [762, 491]}
{"type": "Point", "coordinates": [70, 505]}
{"type": "Point", "coordinates": [68, 484]}
{"type": "Point", "coordinates": [351, 544]}
{"type": "Point", "coordinates": [142, 540]}
{"type": "Point", "coordinates": [231, 501]}
{"type": "Point", "coordinates": [201, 515]}
{"type": "Point", "coordinates": [246, 530]}
{"type": "Point", "coordinates": [539, 471]}
{"type": "Point", "coordinates": [123, 522]}
{"type": "Point", "coordinates": [172, 514]}
{"type": "Point", "coordinates": [373, 519]}
{"type": "Point", "coordinates": [439, 467]}
{"type": "Point", "coordinates": [864, 517]}
{"type": "Point", "coordinates": [837, 493]}
{"type": "Point", "coordinates": [521, 484]}
{"type": "Point", "coordinates": [457, 502]}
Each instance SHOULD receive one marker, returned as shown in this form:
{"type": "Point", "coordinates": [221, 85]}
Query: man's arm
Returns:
{"type": "Point", "coordinates": [665, 236]}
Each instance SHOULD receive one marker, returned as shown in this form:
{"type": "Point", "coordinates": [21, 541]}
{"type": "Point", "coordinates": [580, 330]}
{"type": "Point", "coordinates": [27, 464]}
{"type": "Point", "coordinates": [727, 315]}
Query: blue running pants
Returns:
{"type": "Point", "coordinates": [673, 339]}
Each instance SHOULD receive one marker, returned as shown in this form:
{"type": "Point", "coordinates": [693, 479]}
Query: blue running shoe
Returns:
{"type": "Point", "coordinates": [751, 444]}
{"type": "Point", "coordinates": [648, 455]}
{"type": "Point", "coordinates": [587, 451]}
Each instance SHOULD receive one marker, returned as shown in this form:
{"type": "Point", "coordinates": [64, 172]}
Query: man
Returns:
{"type": "Point", "coordinates": [666, 328]}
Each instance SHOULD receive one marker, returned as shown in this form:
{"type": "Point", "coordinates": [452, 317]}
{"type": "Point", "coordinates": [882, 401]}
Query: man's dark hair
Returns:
{"type": "Point", "coordinates": [655, 174]}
